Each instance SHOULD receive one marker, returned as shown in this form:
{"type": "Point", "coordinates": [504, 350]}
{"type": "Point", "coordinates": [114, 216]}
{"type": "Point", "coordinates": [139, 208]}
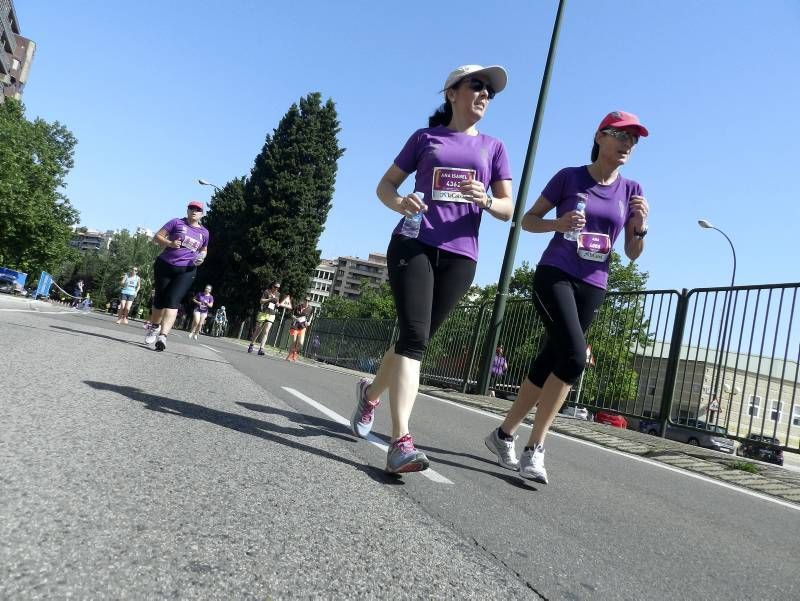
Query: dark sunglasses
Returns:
{"type": "Point", "coordinates": [477, 85]}
{"type": "Point", "coordinates": [621, 134]}
{"type": "Point", "coordinates": [195, 210]}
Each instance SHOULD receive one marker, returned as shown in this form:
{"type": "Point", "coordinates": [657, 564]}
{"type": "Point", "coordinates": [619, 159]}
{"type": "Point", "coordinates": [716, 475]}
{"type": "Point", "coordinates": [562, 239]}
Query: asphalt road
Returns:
{"type": "Point", "coordinates": [205, 472]}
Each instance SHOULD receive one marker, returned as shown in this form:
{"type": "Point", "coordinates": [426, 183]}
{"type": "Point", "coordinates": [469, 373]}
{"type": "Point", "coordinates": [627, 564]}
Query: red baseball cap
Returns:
{"type": "Point", "coordinates": [196, 204]}
{"type": "Point", "coordinates": [621, 119]}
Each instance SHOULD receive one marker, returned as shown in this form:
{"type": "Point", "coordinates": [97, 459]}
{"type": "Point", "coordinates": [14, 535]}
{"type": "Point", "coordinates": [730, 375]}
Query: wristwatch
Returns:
{"type": "Point", "coordinates": [489, 200]}
{"type": "Point", "coordinates": [640, 235]}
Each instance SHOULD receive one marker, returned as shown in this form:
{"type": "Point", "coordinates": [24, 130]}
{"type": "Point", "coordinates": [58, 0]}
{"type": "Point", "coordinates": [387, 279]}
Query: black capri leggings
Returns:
{"type": "Point", "coordinates": [171, 283]}
{"type": "Point", "coordinates": [426, 283]}
{"type": "Point", "coordinates": [567, 307]}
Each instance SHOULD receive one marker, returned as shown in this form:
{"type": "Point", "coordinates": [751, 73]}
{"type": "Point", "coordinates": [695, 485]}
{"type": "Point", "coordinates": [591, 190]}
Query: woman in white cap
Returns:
{"type": "Point", "coordinates": [594, 204]}
{"type": "Point", "coordinates": [131, 282]}
{"type": "Point", "coordinates": [185, 244]}
{"type": "Point", "coordinates": [460, 174]}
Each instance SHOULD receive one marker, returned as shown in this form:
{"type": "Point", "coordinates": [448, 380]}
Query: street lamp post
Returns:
{"type": "Point", "coordinates": [498, 313]}
{"type": "Point", "coordinates": [726, 315]}
{"type": "Point", "coordinates": [203, 182]}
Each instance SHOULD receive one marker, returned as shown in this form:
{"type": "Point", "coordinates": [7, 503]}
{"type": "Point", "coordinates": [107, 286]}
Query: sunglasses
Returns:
{"type": "Point", "coordinates": [621, 134]}
{"type": "Point", "coordinates": [195, 210]}
{"type": "Point", "coordinates": [477, 85]}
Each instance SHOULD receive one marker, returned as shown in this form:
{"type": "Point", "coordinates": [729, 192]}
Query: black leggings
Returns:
{"type": "Point", "coordinates": [567, 307]}
{"type": "Point", "coordinates": [426, 283]}
{"type": "Point", "coordinates": [171, 283]}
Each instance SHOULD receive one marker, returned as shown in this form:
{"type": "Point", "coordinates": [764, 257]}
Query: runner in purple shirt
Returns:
{"type": "Point", "coordinates": [185, 244]}
{"type": "Point", "coordinates": [456, 167]}
{"type": "Point", "coordinates": [571, 278]}
{"type": "Point", "coordinates": [202, 302]}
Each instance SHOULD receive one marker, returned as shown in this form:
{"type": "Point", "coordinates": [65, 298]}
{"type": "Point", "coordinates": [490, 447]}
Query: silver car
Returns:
{"type": "Point", "coordinates": [714, 437]}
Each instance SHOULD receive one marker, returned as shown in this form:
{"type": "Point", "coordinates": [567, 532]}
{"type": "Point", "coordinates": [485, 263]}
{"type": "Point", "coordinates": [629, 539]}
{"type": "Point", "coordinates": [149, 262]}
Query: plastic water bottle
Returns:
{"type": "Point", "coordinates": [572, 235]}
{"type": "Point", "coordinates": [411, 223]}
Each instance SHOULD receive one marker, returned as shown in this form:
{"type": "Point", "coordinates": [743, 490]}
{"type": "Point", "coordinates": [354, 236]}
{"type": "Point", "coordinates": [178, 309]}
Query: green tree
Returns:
{"type": "Point", "coordinates": [286, 203]}
{"type": "Point", "coordinates": [35, 216]}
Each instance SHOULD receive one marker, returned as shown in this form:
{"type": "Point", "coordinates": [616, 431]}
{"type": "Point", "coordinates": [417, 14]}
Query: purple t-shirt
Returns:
{"type": "Point", "coordinates": [442, 159]}
{"type": "Point", "coordinates": [193, 238]}
{"type": "Point", "coordinates": [203, 298]}
{"type": "Point", "coordinates": [606, 215]}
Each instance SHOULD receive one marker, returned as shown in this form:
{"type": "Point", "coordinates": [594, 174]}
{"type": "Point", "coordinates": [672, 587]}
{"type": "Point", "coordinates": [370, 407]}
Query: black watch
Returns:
{"type": "Point", "coordinates": [640, 235]}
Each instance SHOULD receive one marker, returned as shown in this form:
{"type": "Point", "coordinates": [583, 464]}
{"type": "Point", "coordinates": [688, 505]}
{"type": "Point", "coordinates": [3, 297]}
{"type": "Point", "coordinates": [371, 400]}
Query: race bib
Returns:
{"type": "Point", "coordinates": [594, 247]}
{"type": "Point", "coordinates": [301, 319]}
{"type": "Point", "coordinates": [447, 182]}
{"type": "Point", "coordinates": [192, 244]}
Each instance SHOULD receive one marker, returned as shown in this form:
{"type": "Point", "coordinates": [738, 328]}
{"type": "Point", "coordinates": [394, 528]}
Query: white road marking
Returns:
{"type": "Point", "coordinates": [209, 348]}
{"type": "Point", "coordinates": [671, 468]}
{"type": "Point", "coordinates": [429, 473]}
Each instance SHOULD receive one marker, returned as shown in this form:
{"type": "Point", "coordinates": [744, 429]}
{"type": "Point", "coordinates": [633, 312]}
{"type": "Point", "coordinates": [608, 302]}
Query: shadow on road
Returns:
{"type": "Point", "coordinates": [244, 424]}
{"type": "Point", "coordinates": [132, 343]}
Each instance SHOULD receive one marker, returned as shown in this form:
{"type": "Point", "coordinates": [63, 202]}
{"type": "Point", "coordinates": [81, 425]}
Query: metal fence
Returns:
{"type": "Point", "coordinates": [724, 359]}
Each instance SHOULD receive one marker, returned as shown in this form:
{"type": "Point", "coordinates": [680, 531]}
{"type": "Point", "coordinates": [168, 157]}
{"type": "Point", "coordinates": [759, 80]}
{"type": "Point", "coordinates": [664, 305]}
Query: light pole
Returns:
{"type": "Point", "coordinates": [203, 182]}
{"type": "Point", "coordinates": [726, 314]}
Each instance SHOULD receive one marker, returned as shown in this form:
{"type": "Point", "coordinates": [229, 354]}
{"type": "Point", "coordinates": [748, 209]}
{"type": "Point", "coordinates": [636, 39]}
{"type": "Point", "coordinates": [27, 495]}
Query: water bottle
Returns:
{"type": "Point", "coordinates": [411, 223]}
{"type": "Point", "coordinates": [572, 235]}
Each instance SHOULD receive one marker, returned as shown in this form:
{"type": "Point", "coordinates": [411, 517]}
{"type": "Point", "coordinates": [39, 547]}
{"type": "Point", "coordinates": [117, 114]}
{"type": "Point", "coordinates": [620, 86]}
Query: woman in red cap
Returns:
{"type": "Point", "coordinates": [594, 204]}
{"type": "Point", "coordinates": [185, 244]}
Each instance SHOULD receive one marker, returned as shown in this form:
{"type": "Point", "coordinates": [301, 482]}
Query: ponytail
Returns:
{"type": "Point", "coordinates": [442, 116]}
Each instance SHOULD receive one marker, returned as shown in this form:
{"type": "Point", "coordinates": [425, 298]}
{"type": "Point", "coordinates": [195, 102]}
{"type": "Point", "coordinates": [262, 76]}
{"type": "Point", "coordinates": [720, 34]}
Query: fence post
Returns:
{"type": "Point", "coordinates": [667, 396]}
{"type": "Point", "coordinates": [474, 349]}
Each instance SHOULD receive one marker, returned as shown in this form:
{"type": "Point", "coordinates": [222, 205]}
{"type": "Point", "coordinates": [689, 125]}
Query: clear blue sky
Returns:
{"type": "Point", "coordinates": [162, 93]}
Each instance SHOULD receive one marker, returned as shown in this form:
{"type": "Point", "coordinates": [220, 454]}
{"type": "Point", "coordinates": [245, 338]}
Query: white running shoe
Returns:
{"type": "Point", "coordinates": [152, 333]}
{"type": "Point", "coordinates": [161, 343]}
{"type": "Point", "coordinates": [504, 449]}
{"type": "Point", "coordinates": [531, 465]}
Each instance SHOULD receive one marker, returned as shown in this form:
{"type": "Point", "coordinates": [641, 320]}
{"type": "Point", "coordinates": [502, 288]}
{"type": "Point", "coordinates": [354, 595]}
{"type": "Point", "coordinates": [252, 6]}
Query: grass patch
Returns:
{"type": "Point", "coordinates": [745, 466]}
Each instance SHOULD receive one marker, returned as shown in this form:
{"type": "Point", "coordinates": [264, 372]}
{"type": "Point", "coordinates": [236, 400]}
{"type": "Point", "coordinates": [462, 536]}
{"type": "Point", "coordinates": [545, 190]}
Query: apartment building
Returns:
{"type": "Point", "coordinates": [322, 282]}
{"type": "Point", "coordinates": [16, 53]}
{"type": "Point", "coordinates": [353, 273]}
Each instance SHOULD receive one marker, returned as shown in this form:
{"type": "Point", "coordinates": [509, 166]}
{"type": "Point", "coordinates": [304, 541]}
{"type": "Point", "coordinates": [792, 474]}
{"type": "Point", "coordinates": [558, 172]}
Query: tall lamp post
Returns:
{"type": "Point", "coordinates": [203, 182]}
{"type": "Point", "coordinates": [726, 313]}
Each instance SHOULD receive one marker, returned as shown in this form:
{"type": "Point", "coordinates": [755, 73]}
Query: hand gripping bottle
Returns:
{"type": "Point", "coordinates": [572, 235]}
{"type": "Point", "coordinates": [411, 223]}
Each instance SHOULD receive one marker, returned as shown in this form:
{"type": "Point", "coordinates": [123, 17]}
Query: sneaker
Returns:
{"type": "Point", "coordinates": [261, 352]}
{"type": "Point", "coordinates": [152, 333]}
{"type": "Point", "coordinates": [403, 457]}
{"type": "Point", "coordinates": [161, 343]}
{"type": "Point", "coordinates": [504, 449]}
{"type": "Point", "coordinates": [531, 465]}
{"type": "Point", "coordinates": [364, 414]}
{"type": "Point", "coordinates": [124, 322]}
{"type": "Point", "coordinates": [250, 349]}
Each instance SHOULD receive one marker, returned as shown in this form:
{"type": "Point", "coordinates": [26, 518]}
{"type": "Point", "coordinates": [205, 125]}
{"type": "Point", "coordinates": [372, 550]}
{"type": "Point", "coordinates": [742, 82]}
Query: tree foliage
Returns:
{"type": "Point", "coordinates": [35, 215]}
{"type": "Point", "coordinates": [267, 227]}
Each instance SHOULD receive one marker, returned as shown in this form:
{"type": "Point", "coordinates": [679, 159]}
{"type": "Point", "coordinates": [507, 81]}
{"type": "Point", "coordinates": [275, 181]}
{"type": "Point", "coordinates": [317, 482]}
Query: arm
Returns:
{"type": "Point", "coordinates": [502, 205]}
{"type": "Point", "coordinates": [389, 196]}
{"type": "Point", "coordinates": [162, 240]}
{"type": "Point", "coordinates": [195, 301]}
{"type": "Point", "coordinates": [534, 220]}
{"type": "Point", "coordinates": [634, 247]}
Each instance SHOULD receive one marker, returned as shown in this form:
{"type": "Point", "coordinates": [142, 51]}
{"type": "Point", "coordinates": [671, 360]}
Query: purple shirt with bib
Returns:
{"type": "Point", "coordinates": [607, 213]}
{"type": "Point", "coordinates": [203, 298]}
{"type": "Point", "coordinates": [193, 238]}
{"type": "Point", "coordinates": [442, 159]}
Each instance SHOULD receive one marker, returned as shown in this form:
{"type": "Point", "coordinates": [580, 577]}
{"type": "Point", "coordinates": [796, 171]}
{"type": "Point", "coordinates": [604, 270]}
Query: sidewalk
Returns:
{"type": "Point", "coordinates": [770, 480]}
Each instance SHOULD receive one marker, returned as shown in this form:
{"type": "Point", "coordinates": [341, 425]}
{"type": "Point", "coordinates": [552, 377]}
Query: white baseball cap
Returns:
{"type": "Point", "coordinates": [498, 78]}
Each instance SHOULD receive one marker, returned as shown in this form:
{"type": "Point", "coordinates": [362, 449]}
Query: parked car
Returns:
{"type": "Point", "coordinates": [611, 418]}
{"type": "Point", "coordinates": [758, 447]}
{"type": "Point", "coordinates": [714, 438]}
{"type": "Point", "coordinates": [576, 411]}
{"type": "Point", "coordinates": [9, 285]}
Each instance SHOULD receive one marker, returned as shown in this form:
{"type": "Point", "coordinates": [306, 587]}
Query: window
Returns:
{"type": "Point", "coordinates": [796, 416]}
{"type": "Point", "coordinates": [777, 411]}
{"type": "Point", "coordinates": [754, 410]}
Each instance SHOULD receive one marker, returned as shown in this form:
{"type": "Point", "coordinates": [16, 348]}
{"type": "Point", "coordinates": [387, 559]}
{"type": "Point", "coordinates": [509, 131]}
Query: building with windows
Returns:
{"type": "Point", "coordinates": [16, 53]}
{"type": "Point", "coordinates": [353, 274]}
{"type": "Point", "coordinates": [322, 283]}
{"type": "Point", "coordinates": [85, 239]}
{"type": "Point", "coordinates": [754, 394]}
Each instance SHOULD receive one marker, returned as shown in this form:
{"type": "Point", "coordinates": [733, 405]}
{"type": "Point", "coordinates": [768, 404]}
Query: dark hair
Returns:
{"type": "Point", "coordinates": [595, 151]}
{"type": "Point", "coordinates": [442, 116]}
{"type": "Point", "coordinates": [273, 285]}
